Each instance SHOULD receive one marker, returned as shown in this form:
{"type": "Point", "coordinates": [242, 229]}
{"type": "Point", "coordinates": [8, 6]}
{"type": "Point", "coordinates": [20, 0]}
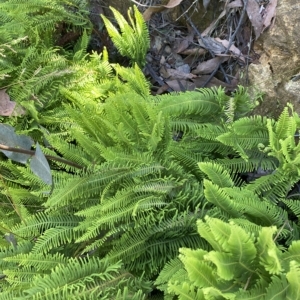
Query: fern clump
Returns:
{"type": "Point", "coordinates": [101, 183]}
{"type": "Point", "coordinates": [241, 264]}
{"type": "Point", "coordinates": [133, 41]}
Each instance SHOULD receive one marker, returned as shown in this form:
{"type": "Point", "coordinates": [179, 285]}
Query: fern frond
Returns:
{"type": "Point", "coordinates": [203, 104]}
{"type": "Point", "coordinates": [36, 224]}
{"type": "Point", "coordinates": [133, 41]}
{"type": "Point", "coordinates": [216, 174]}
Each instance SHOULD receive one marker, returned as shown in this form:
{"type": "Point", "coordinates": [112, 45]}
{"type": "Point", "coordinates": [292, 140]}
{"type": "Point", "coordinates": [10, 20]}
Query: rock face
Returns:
{"type": "Point", "coordinates": [277, 73]}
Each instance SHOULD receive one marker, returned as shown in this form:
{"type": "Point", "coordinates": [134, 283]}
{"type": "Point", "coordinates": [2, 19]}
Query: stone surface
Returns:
{"type": "Point", "coordinates": [279, 62]}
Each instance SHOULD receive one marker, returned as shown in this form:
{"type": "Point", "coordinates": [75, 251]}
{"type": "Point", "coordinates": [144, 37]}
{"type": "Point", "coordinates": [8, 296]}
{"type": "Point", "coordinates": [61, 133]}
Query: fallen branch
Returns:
{"type": "Point", "coordinates": [32, 152]}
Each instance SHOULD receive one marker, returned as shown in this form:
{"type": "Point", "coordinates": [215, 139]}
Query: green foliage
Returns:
{"type": "Point", "coordinates": [136, 175]}
{"type": "Point", "coordinates": [241, 264]}
{"type": "Point", "coordinates": [133, 41]}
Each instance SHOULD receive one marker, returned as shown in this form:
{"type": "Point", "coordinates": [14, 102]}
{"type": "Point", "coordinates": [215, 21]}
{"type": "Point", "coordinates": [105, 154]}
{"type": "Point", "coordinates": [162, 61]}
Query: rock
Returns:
{"type": "Point", "coordinates": [279, 62]}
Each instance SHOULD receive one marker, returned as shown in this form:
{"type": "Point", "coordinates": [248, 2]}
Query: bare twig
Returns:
{"type": "Point", "coordinates": [32, 152]}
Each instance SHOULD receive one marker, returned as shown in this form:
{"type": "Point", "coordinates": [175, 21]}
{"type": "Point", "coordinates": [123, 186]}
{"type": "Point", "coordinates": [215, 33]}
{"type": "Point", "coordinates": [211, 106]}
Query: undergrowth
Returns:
{"type": "Point", "coordinates": [179, 196]}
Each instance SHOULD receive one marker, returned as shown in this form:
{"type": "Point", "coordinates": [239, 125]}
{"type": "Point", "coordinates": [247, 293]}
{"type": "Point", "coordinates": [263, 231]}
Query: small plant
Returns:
{"type": "Point", "coordinates": [239, 264]}
{"type": "Point", "coordinates": [133, 41]}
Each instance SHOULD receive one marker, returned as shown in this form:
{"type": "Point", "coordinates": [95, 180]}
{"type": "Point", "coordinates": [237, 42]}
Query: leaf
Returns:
{"type": "Point", "coordinates": [208, 66]}
{"type": "Point", "coordinates": [253, 12]}
{"type": "Point", "coordinates": [234, 4]}
{"type": "Point", "coordinates": [233, 49]}
{"type": "Point", "coordinates": [181, 85]}
{"type": "Point", "coordinates": [173, 3]}
{"type": "Point", "coordinates": [214, 82]}
{"type": "Point", "coordinates": [40, 167]}
{"type": "Point", "coordinates": [9, 108]}
{"type": "Point", "coordinates": [154, 9]}
{"type": "Point", "coordinates": [9, 138]}
{"type": "Point", "coordinates": [268, 253]}
{"type": "Point", "coordinates": [211, 44]}
{"type": "Point", "coordinates": [269, 14]}
{"type": "Point", "coordinates": [177, 74]}
{"type": "Point", "coordinates": [206, 3]}
{"type": "Point", "coordinates": [293, 277]}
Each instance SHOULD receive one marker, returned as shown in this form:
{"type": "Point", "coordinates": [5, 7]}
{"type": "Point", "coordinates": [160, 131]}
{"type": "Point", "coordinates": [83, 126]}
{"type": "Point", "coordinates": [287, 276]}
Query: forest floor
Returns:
{"type": "Point", "coordinates": [197, 44]}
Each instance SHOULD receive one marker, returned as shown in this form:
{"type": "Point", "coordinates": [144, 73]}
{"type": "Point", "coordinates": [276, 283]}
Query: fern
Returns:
{"type": "Point", "coordinates": [133, 41]}
{"type": "Point", "coordinates": [136, 174]}
{"type": "Point", "coordinates": [240, 266]}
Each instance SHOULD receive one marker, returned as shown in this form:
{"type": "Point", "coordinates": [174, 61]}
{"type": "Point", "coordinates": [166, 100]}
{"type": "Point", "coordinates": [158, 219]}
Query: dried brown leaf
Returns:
{"type": "Point", "coordinates": [181, 85]}
{"type": "Point", "coordinates": [9, 108]}
{"type": "Point", "coordinates": [214, 82]}
{"type": "Point", "coordinates": [183, 45]}
{"type": "Point", "coordinates": [155, 9]}
{"type": "Point", "coordinates": [205, 4]}
{"type": "Point", "coordinates": [269, 14]}
{"type": "Point", "coordinates": [211, 44]}
{"type": "Point", "coordinates": [235, 4]}
{"type": "Point", "coordinates": [253, 12]}
{"type": "Point", "coordinates": [208, 66]}
{"type": "Point", "coordinates": [194, 51]}
{"type": "Point", "coordinates": [185, 42]}
{"type": "Point", "coordinates": [162, 89]}
{"type": "Point", "coordinates": [187, 85]}
{"type": "Point", "coordinates": [233, 49]}
{"type": "Point", "coordinates": [173, 3]}
{"type": "Point", "coordinates": [175, 74]}
{"type": "Point", "coordinates": [151, 10]}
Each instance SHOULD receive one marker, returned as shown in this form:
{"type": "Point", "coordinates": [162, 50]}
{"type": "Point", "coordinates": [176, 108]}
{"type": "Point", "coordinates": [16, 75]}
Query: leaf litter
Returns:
{"type": "Point", "coordinates": [184, 58]}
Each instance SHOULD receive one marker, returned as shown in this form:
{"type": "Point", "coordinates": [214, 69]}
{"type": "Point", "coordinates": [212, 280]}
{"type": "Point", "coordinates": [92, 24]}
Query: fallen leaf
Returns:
{"type": "Point", "coordinates": [205, 3]}
{"type": "Point", "coordinates": [9, 108]}
{"type": "Point", "coordinates": [269, 14]}
{"type": "Point", "coordinates": [187, 85]}
{"type": "Point", "coordinates": [181, 85]}
{"type": "Point", "coordinates": [9, 138]}
{"type": "Point", "coordinates": [235, 4]}
{"type": "Point", "coordinates": [211, 44]}
{"type": "Point", "coordinates": [253, 12]}
{"type": "Point", "coordinates": [194, 51]}
{"type": "Point", "coordinates": [175, 74]}
{"type": "Point", "coordinates": [151, 10]}
{"type": "Point", "coordinates": [40, 166]}
{"type": "Point", "coordinates": [214, 82]}
{"type": "Point", "coordinates": [162, 89]}
{"type": "Point", "coordinates": [173, 3]}
{"type": "Point", "coordinates": [155, 9]}
{"type": "Point", "coordinates": [233, 49]}
{"type": "Point", "coordinates": [183, 45]}
{"type": "Point", "coordinates": [208, 66]}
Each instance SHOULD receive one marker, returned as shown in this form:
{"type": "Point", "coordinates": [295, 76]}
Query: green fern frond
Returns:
{"type": "Point", "coordinates": [54, 238]}
{"type": "Point", "coordinates": [134, 78]}
{"type": "Point", "coordinates": [239, 165]}
{"type": "Point", "coordinates": [293, 205]}
{"type": "Point", "coordinates": [216, 174]}
{"type": "Point", "coordinates": [36, 224]}
{"type": "Point", "coordinates": [81, 279]}
{"type": "Point", "coordinates": [203, 104]}
{"type": "Point", "coordinates": [133, 41]}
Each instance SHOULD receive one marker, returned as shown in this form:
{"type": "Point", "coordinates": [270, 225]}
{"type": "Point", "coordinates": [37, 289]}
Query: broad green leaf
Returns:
{"type": "Point", "coordinates": [40, 167]}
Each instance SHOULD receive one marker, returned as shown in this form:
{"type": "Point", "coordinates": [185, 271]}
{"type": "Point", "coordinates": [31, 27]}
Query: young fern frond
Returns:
{"type": "Point", "coordinates": [133, 41]}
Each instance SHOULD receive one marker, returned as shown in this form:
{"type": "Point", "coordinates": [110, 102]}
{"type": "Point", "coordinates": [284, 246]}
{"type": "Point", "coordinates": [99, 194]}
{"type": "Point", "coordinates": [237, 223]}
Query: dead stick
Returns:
{"type": "Point", "coordinates": [32, 152]}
